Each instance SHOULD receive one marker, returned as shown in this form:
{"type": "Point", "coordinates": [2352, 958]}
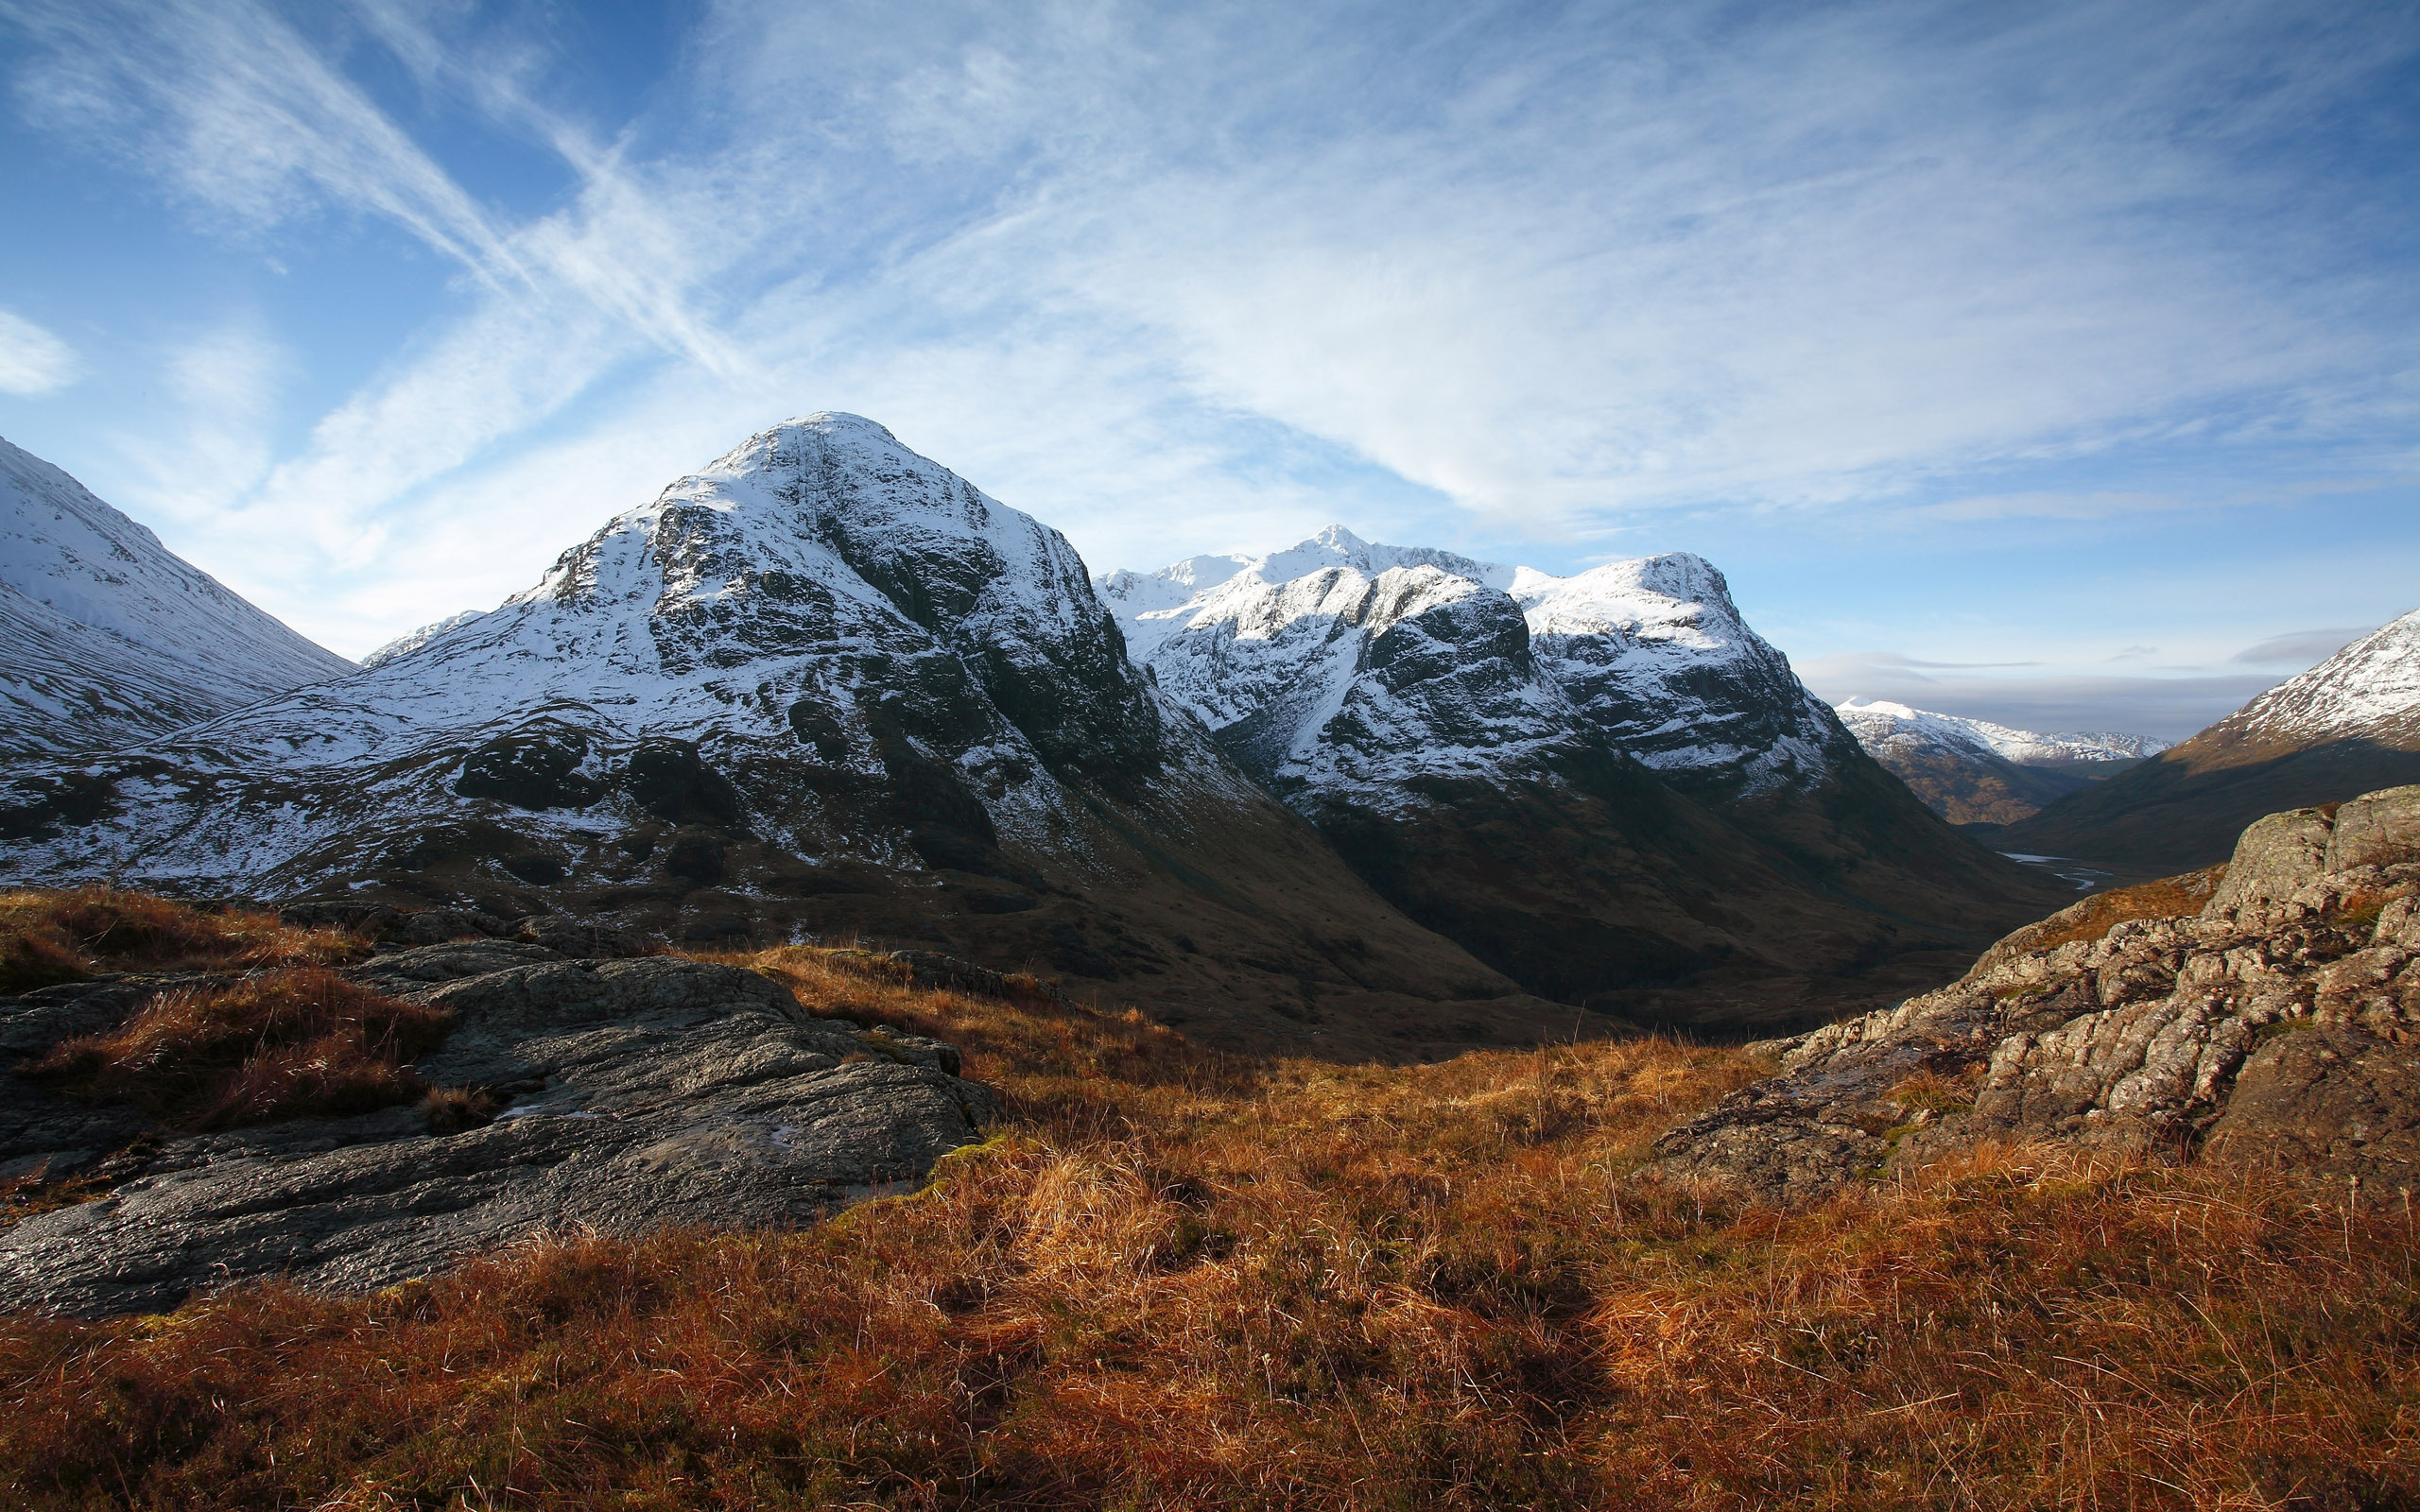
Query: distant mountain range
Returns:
{"type": "Point", "coordinates": [1971, 771]}
{"type": "Point", "coordinates": [108, 637]}
{"type": "Point", "coordinates": [2349, 726]}
{"type": "Point", "coordinates": [825, 687]}
{"type": "Point", "coordinates": [1602, 784]}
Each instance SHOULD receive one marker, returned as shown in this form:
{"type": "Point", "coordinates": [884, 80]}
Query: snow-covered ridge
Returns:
{"type": "Point", "coordinates": [819, 592]}
{"type": "Point", "coordinates": [413, 641]}
{"type": "Point", "coordinates": [2370, 687]}
{"type": "Point", "coordinates": [1878, 722]}
{"type": "Point", "coordinates": [1341, 663]}
{"type": "Point", "coordinates": [108, 637]}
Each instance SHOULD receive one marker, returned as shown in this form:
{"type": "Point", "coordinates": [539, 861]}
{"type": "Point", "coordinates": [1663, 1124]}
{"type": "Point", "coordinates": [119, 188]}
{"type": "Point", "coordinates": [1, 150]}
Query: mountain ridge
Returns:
{"type": "Point", "coordinates": [821, 686]}
{"type": "Point", "coordinates": [108, 637]}
{"type": "Point", "coordinates": [1606, 785]}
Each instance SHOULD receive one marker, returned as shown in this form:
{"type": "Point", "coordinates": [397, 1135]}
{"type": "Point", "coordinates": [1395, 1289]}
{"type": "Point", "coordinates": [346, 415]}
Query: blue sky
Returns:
{"type": "Point", "coordinates": [2055, 363]}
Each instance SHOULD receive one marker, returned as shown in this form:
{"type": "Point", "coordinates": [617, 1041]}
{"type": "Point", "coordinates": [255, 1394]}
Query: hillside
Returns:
{"type": "Point", "coordinates": [1184, 1280]}
{"type": "Point", "coordinates": [1607, 786]}
{"type": "Point", "coordinates": [2350, 724]}
{"type": "Point", "coordinates": [107, 638]}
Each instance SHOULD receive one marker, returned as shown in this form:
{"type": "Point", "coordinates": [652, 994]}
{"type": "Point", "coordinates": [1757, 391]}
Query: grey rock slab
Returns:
{"type": "Point", "coordinates": [645, 1092]}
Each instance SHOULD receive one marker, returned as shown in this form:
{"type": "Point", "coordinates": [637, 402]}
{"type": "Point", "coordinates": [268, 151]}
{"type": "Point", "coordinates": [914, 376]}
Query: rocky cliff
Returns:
{"type": "Point", "coordinates": [107, 638]}
{"type": "Point", "coordinates": [1606, 785]}
{"type": "Point", "coordinates": [2347, 726]}
{"type": "Point", "coordinates": [2268, 1009]}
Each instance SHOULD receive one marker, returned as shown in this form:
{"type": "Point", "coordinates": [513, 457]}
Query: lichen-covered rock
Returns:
{"type": "Point", "coordinates": [634, 1094]}
{"type": "Point", "coordinates": [2275, 1021]}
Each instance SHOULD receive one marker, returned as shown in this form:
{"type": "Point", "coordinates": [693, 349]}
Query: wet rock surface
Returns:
{"type": "Point", "coordinates": [2275, 1022]}
{"type": "Point", "coordinates": [618, 1094]}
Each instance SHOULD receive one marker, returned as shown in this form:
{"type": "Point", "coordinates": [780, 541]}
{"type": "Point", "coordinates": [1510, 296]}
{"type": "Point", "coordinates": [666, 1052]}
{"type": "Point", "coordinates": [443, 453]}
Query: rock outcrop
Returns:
{"type": "Point", "coordinates": [2266, 1009]}
{"type": "Point", "coordinates": [622, 1095]}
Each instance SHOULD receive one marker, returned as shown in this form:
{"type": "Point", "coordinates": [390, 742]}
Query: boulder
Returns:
{"type": "Point", "coordinates": [628, 1095]}
{"type": "Point", "coordinates": [2278, 1021]}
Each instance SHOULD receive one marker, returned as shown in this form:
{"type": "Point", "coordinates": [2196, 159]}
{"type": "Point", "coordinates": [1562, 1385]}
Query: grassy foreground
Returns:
{"type": "Point", "coordinates": [1173, 1280]}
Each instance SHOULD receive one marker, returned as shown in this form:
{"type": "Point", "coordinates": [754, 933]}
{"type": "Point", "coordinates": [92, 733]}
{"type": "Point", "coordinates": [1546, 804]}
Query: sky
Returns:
{"type": "Point", "coordinates": [2055, 364]}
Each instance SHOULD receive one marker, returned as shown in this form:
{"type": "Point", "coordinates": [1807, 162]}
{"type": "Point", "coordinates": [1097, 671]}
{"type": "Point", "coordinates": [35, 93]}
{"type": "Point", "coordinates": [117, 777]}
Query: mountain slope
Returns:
{"type": "Point", "coordinates": [1973, 771]}
{"type": "Point", "coordinates": [821, 687]}
{"type": "Point", "coordinates": [2349, 726]}
{"type": "Point", "coordinates": [107, 637]}
{"type": "Point", "coordinates": [1606, 785]}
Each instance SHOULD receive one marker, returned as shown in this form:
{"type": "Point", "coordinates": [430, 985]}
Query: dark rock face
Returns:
{"type": "Point", "coordinates": [533, 768]}
{"type": "Point", "coordinates": [2282, 1020]}
{"type": "Point", "coordinates": [640, 1094]}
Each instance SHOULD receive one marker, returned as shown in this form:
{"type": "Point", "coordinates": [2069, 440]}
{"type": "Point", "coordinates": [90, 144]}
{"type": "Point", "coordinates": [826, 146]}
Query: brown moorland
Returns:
{"type": "Point", "coordinates": [72, 935]}
{"type": "Point", "coordinates": [1182, 1281]}
{"type": "Point", "coordinates": [269, 1045]}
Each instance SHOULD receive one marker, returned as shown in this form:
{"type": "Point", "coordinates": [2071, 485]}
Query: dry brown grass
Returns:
{"type": "Point", "coordinates": [277, 1044]}
{"type": "Point", "coordinates": [1180, 1282]}
{"type": "Point", "coordinates": [67, 936]}
{"type": "Point", "coordinates": [2169, 898]}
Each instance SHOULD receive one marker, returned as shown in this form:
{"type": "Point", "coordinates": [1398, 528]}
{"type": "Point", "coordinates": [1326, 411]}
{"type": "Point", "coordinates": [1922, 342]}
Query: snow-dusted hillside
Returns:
{"type": "Point", "coordinates": [820, 589]}
{"type": "Point", "coordinates": [107, 638]}
{"type": "Point", "coordinates": [1881, 724]}
{"type": "Point", "coordinates": [1342, 665]}
{"type": "Point", "coordinates": [822, 687]}
{"type": "Point", "coordinates": [2369, 689]}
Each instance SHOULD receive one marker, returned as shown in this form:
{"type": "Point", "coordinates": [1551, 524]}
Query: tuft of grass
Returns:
{"type": "Point", "coordinates": [67, 936]}
{"type": "Point", "coordinates": [278, 1044]}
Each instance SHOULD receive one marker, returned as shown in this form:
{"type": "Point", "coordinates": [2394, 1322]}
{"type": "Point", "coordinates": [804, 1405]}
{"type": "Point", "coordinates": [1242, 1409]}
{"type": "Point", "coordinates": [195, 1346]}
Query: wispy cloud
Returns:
{"type": "Point", "coordinates": [32, 361]}
{"type": "Point", "coordinates": [2300, 649]}
{"type": "Point", "coordinates": [1181, 277]}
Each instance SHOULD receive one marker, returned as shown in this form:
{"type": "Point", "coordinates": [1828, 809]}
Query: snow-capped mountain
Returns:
{"type": "Point", "coordinates": [2370, 689]}
{"type": "Point", "coordinates": [2349, 726]}
{"type": "Point", "coordinates": [107, 637]}
{"type": "Point", "coordinates": [1341, 664]}
{"type": "Point", "coordinates": [1596, 783]}
{"type": "Point", "coordinates": [823, 685]}
{"type": "Point", "coordinates": [1879, 725]}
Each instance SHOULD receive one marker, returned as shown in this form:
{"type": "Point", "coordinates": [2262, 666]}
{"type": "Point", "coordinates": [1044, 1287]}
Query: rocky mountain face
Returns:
{"type": "Point", "coordinates": [1604, 786]}
{"type": "Point", "coordinates": [643, 1093]}
{"type": "Point", "coordinates": [822, 687]}
{"type": "Point", "coordinates": [2347, 726]}
{"type": "Point", "coordinates": [107, 638]}
{"type": "Point", "coordinates": [1973, 771]}
{"type": "Point", "coordinates": [2266, 1009]}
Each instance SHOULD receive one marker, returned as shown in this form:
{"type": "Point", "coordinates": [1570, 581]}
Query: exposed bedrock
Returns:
{"type": "Point", "coordinates": [2265, 1009]}
{"type": "Point", "coordinates": [634, 1094]}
